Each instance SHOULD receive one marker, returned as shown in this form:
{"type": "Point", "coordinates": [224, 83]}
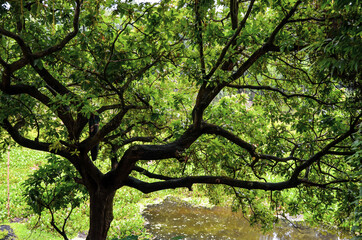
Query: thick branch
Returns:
{"type": "Point", "coordinates": [36, 145]}
{"type": "Point", "coordinates": [219, 180]}
{"type": "Point", "coordinates": [150, 152]}
{"type": "Point", "coordinates": [21, 89]}
{"type": "Point", "coordinates": [28, 55]}
{"type": "Point", "coordinates": [25, 48]}
{"type": "Point", "coordinates": [283, 22]}
{"type": "Point", "coordinates": [214, 129]}
{"type": "Point", "coordinates": [51, 81]}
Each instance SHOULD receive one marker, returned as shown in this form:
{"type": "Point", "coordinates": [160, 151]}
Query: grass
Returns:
{"type": "Point", "coordinates": [22, 231]}
{"type": "Point", "coordinates": [22, 163]}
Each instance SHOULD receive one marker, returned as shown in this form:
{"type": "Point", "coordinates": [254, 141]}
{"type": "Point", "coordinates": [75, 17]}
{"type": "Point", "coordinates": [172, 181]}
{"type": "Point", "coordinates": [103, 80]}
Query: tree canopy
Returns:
{"type": "Point", "coordinates": [258, 96]}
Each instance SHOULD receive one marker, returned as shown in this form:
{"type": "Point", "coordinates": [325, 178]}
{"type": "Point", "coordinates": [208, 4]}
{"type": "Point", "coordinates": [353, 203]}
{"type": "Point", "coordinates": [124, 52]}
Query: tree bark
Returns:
{"type": "Point", "coordinates": [101, 213]}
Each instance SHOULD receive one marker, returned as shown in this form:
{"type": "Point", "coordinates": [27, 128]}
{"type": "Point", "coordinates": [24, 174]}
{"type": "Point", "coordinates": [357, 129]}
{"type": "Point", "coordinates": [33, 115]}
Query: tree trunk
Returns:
{"type": "Point", "coordinates": [101, 213]}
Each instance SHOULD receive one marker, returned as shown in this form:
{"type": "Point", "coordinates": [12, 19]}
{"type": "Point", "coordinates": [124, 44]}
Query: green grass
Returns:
{"type": "Point", "coordinates": [22, 231]}
{"type": "Point", "coordinates": [22, 163]}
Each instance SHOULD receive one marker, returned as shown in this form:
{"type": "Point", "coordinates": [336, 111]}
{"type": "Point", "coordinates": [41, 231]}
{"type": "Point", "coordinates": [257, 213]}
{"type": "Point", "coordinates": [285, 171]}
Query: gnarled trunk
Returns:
{"type": "Point", "coordinates": [101, 213]}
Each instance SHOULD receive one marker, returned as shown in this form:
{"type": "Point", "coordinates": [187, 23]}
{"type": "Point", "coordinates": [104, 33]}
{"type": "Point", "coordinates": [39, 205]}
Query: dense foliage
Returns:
{"type": "Point", "coordinates": [262, 97]}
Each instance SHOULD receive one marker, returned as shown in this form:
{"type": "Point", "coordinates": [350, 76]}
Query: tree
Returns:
{"type": "Point", "coordinates": [226, 93]}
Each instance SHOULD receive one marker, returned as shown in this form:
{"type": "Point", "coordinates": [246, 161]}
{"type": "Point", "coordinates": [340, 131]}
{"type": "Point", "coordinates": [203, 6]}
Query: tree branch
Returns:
{"type": "Point", "coordinates": [51, 81]}
{"type": "Point", "coordinates": [268, 88]}
{"type": "Point", "coordinates": [36, 145]}
{"type": "Point", "coordinates": [215, 180]}
{"type": "Point", "coordinates": [340, 153]}
{"type": "Point", "coordinates": [268, 46]}
{"type": "Point", "coordinates": [231, 40]}
{"type": "Point", "coordinates": [90, 142]}
{"type": "Point", "coordinates": [316, 157]}
{"type": "Point", "coordinates": [25, 48]}
{"type": "Point", "coordinates": [149, 174]}
{"type": "Point", "coordinates": [283, 22]}
{"type": "Point", "coordinates": [137, 139]}
{"type": "Point", "coordinates": [214, 129]}
{"type": "Point", "coordinates": [18, 89]}
{"type": "Point", "coordinates": [28, 55]}
{"type": "Point", "coordinates": [325, 185]}
{"type": "Point", "coordinates": [135, 153]}
{"type": "Point", "coordinates": [208, 93]}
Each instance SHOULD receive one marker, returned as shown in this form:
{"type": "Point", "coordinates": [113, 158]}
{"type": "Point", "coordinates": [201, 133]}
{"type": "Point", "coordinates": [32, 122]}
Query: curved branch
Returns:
{"type": "Point", "coordinates": [32, 114]}
{"type": "Point", "coordinates": [32, 91]}
{"type": "Point", "coordinates": [283, 22]}
{"type": "Point", "coordinates": [135, 153]}
{"type": "Point", "coordinates": [36, 145]}
{"type": "Point", "coordinates": [24, 48]}
{"type": "Point", "coordinates": [208, 93]}
{"type": "Point", "coordinates": [214, 129]}
{"type": "Point", "coordinates": [28, 55]}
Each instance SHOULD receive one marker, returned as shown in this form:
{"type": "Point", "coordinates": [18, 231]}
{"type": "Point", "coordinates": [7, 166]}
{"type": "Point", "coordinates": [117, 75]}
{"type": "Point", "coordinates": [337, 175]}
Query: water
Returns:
{"type": "Point", "coordinates": [171, 219]}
